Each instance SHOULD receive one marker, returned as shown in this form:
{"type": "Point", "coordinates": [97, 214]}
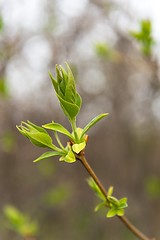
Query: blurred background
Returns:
{"type": "Point", "coordinates": [115, 73]}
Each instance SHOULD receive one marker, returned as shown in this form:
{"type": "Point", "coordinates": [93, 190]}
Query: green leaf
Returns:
{"type": "Point", "coordinates": [78, 100]}
{"type": "Point", "coordinates": [110, 191]}
{"type": "Point", "coordinates": [38, 138]}
{"type": "Point", "coordinates": [113, 200]}
{"type": "Point", "coordinates": [100, 205]}
{"type": "Point", "coordinates": [120, 212]}
{"type": "Point", "coordinates": [47, 155]}
{"type": "Point", "coordinates": [64, 80]}
{"type": "Point", "coordinates": [40, 129]}
{"type": "Point", "coordinates": [93, 122]}
{"type": "Point", "coordinates": [78, 147]}
{"type": "Point", "coordinates": [78, 132]}
{"type": "Point", "coordinates": [71, 80]}
{"type": "Point", "coordinates": [37, 135]}
{"type": "Point", "coordinates": [111, 213]}
{"type": "Point", "coordinates": [65, 76]}
{"type": "Point", "coordinates": [123, 203]}
{"type": "Point", "coordinates": [41, 139]}
{"type": "Point", "coordinates": [95, 188]}
{"type": "Point", "coordinates": [59, 74]}
{"type": "Point", "coordinates": [58, 128]}
{"type": "Point", "coordinates": [69, 109]}
{"type": "Point", "coordinates": [21, 131]}
{"type": "Point", "coordinates": [54, 82]}
{"type": "Point", "coordinates": [70, 91]}
{"type": "Point", "coordinates": [70, 157]}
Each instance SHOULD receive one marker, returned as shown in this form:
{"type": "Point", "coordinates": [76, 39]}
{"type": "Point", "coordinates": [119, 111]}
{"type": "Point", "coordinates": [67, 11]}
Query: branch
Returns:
{"type": "Point", "coordinates": [127, 223]}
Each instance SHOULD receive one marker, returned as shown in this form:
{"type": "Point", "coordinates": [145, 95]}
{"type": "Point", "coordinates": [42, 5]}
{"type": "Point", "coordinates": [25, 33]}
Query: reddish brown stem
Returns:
{"type": "Point", "coordinates": [127, 223]}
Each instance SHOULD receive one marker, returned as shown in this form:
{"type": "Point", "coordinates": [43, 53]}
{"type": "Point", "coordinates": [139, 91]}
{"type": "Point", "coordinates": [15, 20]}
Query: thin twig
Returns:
{"type": "Point", "coordinates": [127, 223]}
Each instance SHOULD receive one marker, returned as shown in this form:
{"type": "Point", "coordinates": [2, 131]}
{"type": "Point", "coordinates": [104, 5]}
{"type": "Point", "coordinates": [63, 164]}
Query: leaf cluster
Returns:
{"type": "Point", "coordinates": [116, 207]}
{"type": "Point", "coordinates": [65, 89]}
{"type": "Point", "coordinates": [70, 102]}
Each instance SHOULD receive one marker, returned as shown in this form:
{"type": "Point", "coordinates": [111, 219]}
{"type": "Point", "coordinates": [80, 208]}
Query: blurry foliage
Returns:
{"type": "Point", "coordinates": [57, 196]}
{"type": "Point", "coordinates": [47, 169]}
{"type": "Point", "coordinates": [144, 37]}
{"type": "Point", "coordinates": [152, 186]}
{"type": "Point", "coordinates": [103, 50]}
{"type": "Point", "coordinates": [20, 222]}
{"type": "Point", "coordinates": [1, 23]}
{"type": "Point", "coordinates": [107, 53]}
{"type": "Point", "coordinates": [3, 88]}
{"type": "Point", "coordinates": [8, 141]}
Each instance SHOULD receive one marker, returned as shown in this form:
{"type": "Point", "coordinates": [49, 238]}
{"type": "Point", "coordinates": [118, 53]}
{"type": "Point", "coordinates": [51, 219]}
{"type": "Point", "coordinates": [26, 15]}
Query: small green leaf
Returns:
{"type": "Point", "coordinates": [69, 109]}
{"type": "Point", "coordinates": [65, 77]}
{"type": "Point", "coordinates": [71, 80]}
{"type": "Point", "coordinates": [120, 212]}
{"type": "Point", "coordinates": [95, 188]}
{"type": "Point", "coordinates": [47, 155]}
{"type": "Point", "coordinates": [100, 205]}
{"type": "Point", "coordinates": [123, 200]}
{"type": "Point", "coordinates": [41, 140]}
{"type": "Point", "coordinates": [78, 100]}
{"type": "Point", "coordinates": [69, 157]}
{"type": "Point", "coordinates": [78, 132]}
{"type": "Point", "coordinates": [113, 200]}
{"type": "Point", "coordinates": [58, 128]}
{"type": "Point", "coordinates": [111, 213]}
{"type": "Point", "coordinates": [54, 82]}
{"type": "Point", "coordinates": [37, 135]}
{"type": "Point", "coordinates": [123, 203]}
{"type": "Point", "coordinates": [93, 122]}
{"type": "Point", "coordinates": [40, 129]}
{"type": "Point", "coordinates": [78, 147]}
{"type": "Point", "coordinates": [70, 90]}
{"type": "Point", "coordinates": [110, 191]}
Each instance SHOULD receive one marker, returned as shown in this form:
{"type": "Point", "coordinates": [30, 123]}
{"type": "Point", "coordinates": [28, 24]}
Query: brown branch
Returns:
{"type": "Point", "coordinates": [127, 223]}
